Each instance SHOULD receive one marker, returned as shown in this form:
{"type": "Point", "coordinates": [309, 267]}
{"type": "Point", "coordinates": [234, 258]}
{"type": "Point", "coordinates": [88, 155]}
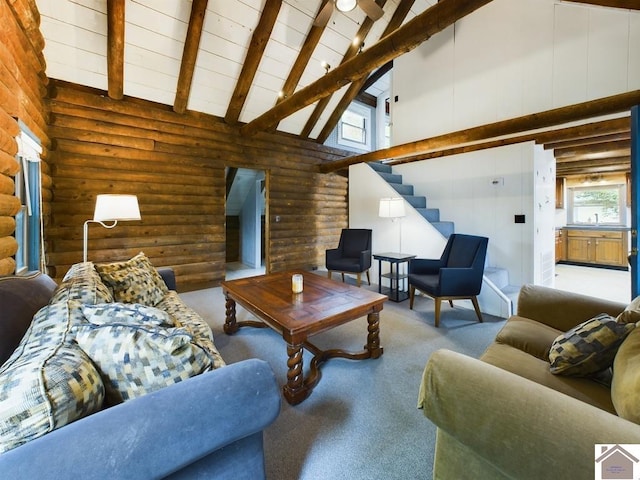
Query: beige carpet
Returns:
{"type": "Point", "coordinates": [361, 421]}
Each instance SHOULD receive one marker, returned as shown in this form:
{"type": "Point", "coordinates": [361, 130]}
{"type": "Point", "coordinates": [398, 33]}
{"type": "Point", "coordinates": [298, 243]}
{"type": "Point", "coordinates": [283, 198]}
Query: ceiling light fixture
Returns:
{"type": "Point", "coordinates": [326, 66]}
{"type": "Point", "coordinates": [346, 5]}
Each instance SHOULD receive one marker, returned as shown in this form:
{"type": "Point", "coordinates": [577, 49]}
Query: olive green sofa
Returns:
{"type": "Point", "coordinates": [506, 416]}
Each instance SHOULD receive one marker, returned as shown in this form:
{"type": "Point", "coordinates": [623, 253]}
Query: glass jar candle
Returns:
{"type": "Point", "coordinates": [296, 283]}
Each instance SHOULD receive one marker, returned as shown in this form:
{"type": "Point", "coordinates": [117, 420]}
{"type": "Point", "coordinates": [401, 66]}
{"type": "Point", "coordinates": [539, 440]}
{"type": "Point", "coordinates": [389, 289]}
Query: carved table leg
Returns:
{"type": "Point", "coordinates": [373, 336]}
{"type": "Point", "coordinates": [295, 391]}
{"type": "Point", "coordinates": [230, 325]}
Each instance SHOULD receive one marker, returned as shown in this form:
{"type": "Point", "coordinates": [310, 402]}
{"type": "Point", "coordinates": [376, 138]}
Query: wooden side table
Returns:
{"type": "Point", "coordinates": [395, 291]}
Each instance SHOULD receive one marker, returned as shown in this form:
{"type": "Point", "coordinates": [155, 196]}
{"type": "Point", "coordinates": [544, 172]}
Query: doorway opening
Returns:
{"type": "Point", "coordinates": [246, 222]}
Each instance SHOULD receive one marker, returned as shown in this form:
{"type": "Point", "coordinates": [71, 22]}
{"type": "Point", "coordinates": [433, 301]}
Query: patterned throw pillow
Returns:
{"type": "Point", "coordinates": [126, 313]}
{"type": "Point", "coordinates": [589, 347]}
{"type": "Point", "coordinates": [48, 382]}
{"type": "Point", "coordinates": [82, 283]}
{"type": "Point", "coordinates": [134, 281]}
{"type": "Point", "coordinates": [138, 359]}
{"type": "Point", "coordinates": [193, 323]}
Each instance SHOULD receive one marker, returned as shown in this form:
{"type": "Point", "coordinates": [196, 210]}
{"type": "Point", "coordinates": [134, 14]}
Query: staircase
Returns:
{"type": "Point", "coordinates": [501, 299]}
{"type": "Point", "coordinates": [432, 215]}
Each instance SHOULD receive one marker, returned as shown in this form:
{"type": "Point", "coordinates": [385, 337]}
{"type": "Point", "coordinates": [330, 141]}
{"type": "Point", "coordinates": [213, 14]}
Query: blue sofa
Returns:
{"type": "Point", "coordinates": [208, 426]}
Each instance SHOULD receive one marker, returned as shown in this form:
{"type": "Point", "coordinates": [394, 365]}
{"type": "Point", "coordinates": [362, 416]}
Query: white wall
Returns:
{"type": "Point", "coordinates": [419, 237]}
{"type": "Point", "coordinates": [251, 225]}
{"type": "Point", "coordinates": [506, 60]}
{"type": "Point", "coordinates": [509, 59]}
{"type": "Point", "coordinates": [461, 186]}
{"type": "Point", "coordinates": [544, 216]}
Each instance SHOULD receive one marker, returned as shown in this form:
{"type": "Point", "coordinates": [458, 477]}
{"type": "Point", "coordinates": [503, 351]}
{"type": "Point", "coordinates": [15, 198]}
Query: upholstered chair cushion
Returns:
{"type": "Point", "coordinates": [529, 336]}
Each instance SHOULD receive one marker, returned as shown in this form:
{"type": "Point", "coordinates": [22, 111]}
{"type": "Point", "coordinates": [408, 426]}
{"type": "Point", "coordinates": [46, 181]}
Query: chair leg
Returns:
{"type": "Point", "coordinates": [342, 277]}
{"type": "Point", "coordinates": [477, 308]}
{"type": "Point", "coordinates": [368, 278]}
{"type": "Point", "coordinates": [437, 300]}
{"type": "Point", "coordinates": [358, 279]}
{"type": "Point", "coordinates": [329, 273]}
{"type": "Point", "coordinates": [412, 292]}
{"type": "Point", "coordinates": [451, 303]}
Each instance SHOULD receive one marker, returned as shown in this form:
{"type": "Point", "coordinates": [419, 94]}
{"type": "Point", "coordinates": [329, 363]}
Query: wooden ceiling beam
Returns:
{"type": "Point", "coordinates": [433, 20]}
{"type": "Point", "coordinates": [115, 48]}
{"type": "Point", "coordinates": [587, 141]}
{"type": "Point", "coordinates": [624, 152]}
{"type": "Point", "coordinates": [302, 60]}
{"type": "Point", "coordinates": [604, 147]}
{"type": "Point", "coordinates": [353, 49]}
{"type": "Point", "coordinates": [377, 75]}
{"type": "Point", "coordinates": [456, 150]}
{"type": "Point", "coordinates": [367, 99]}
{"type": "Point", "coordinates": [593, 129]}
{"type": "Point", "coordinates": [545, 119]}
{"type": "Point", "coordinates": [593, 166]}
{"type": "Point", "coordinates": [189, 55]}
{"type": "Point", "coordinates": [355, 88]}
{"type": "Point", "coordinates": [627, 4]}
{"type": "Point", "coordinates": [259, 40]}
{"type": "Point", "coordinates": [583, 170]}
{"type": "Point", "coordinates": [612, 158]}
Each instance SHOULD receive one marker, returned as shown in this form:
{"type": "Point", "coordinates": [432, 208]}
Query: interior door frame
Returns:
{"type": "Point", "coordinates": [635, 199]}
{"type": "Point", "coordinates": [267, 229]}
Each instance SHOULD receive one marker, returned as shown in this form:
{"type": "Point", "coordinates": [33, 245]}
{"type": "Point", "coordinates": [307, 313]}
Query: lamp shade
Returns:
{"type": "Point", "coordinates": [391, 207]}
{"type": "Point", "coordinates": [346, 5]}
{"type": "Point", "coordinates": [116, 207]}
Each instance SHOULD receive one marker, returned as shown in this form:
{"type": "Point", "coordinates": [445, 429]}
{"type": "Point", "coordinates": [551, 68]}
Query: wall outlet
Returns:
{"type": "Point", "coordinates": [519, 218]}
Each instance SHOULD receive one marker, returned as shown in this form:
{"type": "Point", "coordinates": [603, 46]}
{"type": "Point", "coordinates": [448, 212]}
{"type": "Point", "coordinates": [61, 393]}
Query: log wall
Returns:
{"type": "Point", "coordinates": [22, 92]}
{"type": "Point", "coordinates": [175, 164]}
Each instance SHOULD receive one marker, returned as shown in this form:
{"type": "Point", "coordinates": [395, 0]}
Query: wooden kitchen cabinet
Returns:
{"type": "Point", "coordinates": [560, 246]}
{"type": "Point", "coordinates": [597, 246]}
{"type": "Point", "coordinates": [560, 181]}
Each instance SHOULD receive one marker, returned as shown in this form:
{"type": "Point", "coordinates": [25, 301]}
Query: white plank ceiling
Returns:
{"type": "Point", "coordinates": [155, 30]}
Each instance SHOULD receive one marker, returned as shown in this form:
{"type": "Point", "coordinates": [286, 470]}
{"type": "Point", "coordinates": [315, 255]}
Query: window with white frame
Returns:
{"type": "Point", "coordinates": [354, 128]}
{"type": "Point", "coordinates": [27, 189]}
{"type": "Point", "coordinates": [597, 205]}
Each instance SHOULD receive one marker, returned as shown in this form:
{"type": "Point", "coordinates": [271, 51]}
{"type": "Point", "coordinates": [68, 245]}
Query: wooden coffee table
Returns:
{"type": "Point", "coordinates": [323, 305]}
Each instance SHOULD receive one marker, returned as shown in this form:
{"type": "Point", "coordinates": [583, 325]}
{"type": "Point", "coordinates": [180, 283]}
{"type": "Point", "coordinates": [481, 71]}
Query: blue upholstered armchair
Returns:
{"type": "Point", "coordinates": [353, 254]}
{"type": "Point", "coordinates": [457, 274]}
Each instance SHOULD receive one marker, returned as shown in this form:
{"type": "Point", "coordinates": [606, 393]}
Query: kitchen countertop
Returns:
{"type": "Point", "coordinates": [609, 228]}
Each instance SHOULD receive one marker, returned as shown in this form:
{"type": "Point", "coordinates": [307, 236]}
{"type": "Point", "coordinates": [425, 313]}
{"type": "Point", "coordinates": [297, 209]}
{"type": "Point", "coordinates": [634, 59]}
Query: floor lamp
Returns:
{"type": "Point", "coordinates": [111, 208]}
{"type": "Point", "coordinates": [393, 208]}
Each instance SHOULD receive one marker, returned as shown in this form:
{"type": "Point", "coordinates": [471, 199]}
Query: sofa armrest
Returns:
{"type": "Point", "coordinates": [157, 434]}
{"type": "Point", "coordinates": [169, 277]}
{"type": "Point", "coordinates": [521, 428]}
{"type": "Point", "coordinates": [560, 309]}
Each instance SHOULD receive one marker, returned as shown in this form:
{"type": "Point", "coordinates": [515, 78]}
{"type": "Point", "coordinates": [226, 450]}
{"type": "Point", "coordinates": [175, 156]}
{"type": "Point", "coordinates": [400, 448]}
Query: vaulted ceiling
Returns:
{"type": "Point", "coordinates": [233, 59]}
{"type": "Point", "coordinates": [263, 64]}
